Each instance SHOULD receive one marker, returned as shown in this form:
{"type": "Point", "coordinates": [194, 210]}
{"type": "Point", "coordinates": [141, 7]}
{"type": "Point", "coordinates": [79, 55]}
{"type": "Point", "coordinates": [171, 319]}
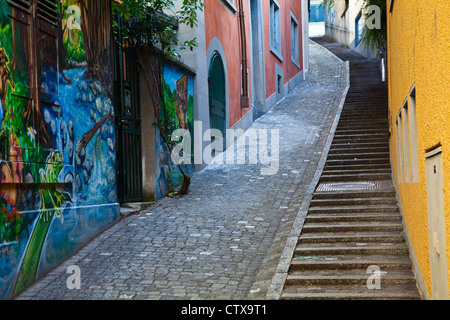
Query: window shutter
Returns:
{"type": "Point", "coordinates": [48, 10]}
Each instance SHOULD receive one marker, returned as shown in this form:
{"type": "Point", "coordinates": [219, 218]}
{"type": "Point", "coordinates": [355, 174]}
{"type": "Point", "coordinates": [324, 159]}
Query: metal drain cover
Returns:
{"type": "Point", "coordinates": [347, 186]}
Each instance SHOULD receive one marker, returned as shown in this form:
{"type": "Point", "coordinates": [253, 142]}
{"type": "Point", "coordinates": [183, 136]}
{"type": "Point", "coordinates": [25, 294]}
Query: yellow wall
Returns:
{"type": "Point", "coordinates": [419, 53]}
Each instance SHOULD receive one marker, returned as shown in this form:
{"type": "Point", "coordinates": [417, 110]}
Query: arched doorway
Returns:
{"type": "Point", "coordinates": [217, 96]}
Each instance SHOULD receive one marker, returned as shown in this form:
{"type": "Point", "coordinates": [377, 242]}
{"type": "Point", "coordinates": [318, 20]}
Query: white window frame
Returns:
{"type": "Point", "coordinates": [406, 141]}
{"type": "Point", "coordinates": [275, 28]}
{"type": "Point", "coordinates": [399, 134]}
{"type": "Point", "coordinates": [413, 134]}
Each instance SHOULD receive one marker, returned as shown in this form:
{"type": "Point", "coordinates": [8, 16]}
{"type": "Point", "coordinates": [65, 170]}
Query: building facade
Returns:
{"type": "Point", "coordinates": [244, 63]}
{"type": "Point", "coordinates": [259, 43]}
{"type": "Point", "coordinates": [344, 23]}
{"type": "Point", "coordinates": [419, 95]}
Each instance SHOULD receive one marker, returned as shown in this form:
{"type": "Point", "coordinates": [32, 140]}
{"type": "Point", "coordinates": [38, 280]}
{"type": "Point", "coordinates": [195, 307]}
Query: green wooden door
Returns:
{"type": "Point", "coordinates": [217, 105]}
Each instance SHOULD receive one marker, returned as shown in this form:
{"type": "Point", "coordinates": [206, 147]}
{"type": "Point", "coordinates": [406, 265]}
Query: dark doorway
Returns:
{"type": "Point", "coordinates": [128, 126]}
{"type": "Point", "coordinates": [217, 99]}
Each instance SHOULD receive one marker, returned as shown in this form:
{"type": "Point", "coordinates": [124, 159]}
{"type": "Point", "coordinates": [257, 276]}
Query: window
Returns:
{"type": "Point", "coordinates": [34, 49]}
{"type": "Point", "coordinates": [346, 3]}
{"type": "Point", "coordinates": [359, 25]}
{"type": "Point", "coordinates": [279, 83]}
{"type": "Point", "coordinates": [406, 145]}
{"type": "Point", "coordinates": [230, 5]}
{"type": "Point", "coordinates": [275, 28]}
{"type": "Point", "coordinates": [391, 5]}
{"type": "Point", "coordinates": [294, 40]}
{"type": "Point", "coordinates": [413, 133]}
{"type": "Point", "coordinates": [399, 134]}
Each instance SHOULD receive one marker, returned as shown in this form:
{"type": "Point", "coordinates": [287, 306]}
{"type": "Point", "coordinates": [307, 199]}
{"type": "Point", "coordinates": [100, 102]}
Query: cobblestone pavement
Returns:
{"type": "Point", "coordinates": [224, 240]}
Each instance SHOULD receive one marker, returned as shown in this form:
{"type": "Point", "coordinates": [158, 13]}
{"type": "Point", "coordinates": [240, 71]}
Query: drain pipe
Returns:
{"type": "Point", "coordinates": [245, 101]}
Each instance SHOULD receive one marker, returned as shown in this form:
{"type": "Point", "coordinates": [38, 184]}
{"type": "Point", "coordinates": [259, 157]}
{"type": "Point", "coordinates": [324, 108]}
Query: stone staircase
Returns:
{"type": "Point", "coordinates": [354, 226]}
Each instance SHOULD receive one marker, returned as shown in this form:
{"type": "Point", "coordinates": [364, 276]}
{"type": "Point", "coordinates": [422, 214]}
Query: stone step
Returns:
{"type": "Point", "coordinates": [361, 128]}
{"type": "Point", "coordinates": [361, 145]}
{"type": "Point", "coordinates": [357, 156]}
{"type": "Point", "coordinates": [354, 194]}
{"type": "Point", "coordinates": [357, 140]}
{"type": "Point", "coordinates": [350, 162]}
{"type": "Point", "coordinates": [374, 200]}
{"type": "Point", "coordinates": [342, 217]}
{"type": "Point", "coordinates": [354, 292]}
{"type": "Point", "coordinates": [349, 112]}
{"type": "Point", "coordinates": [355, 150]}
{"type": "Point", "coordinates": [357, 103]}
{"type": "Point", "coordinates": [351, 226]}
{"type": "Point", "coordinates": [365, 98]}
{"type": "Point", "coordinates": [334, 167]}
{"type": "Point", "coordinates": [361, 135]}
{"type": "Point", "coordinates": [350, 121]}
{"type": "Point", "coordinates": [359, 171]}
{"type": "Point", "coordinates": [347, 262]}
{"type": "Point", "coordinates": [355, 177]}
{"type": "Point", "coordinates": [376, 174]}
{"type": "Point", "coordinates": [351, 236]}
{"type": "Point", "coordinates": [372, 105]}
{"type": "Point", "coordinates": [348, 115]}
{"type": "Point", "coordinates": [363, 248]}
{"type": "Point", "coordinates": [355, 131]}
{"type": "Point", "coordinates": [358, 127]}
{"type": "Point", "coordinates": [347, 121]}
{"type": "Point", "coordinates": [368, 137]}
{"type": "Point", "coordinates": [355, 209]}
{"type": "Point", "coordinates": [348, 277]}
{"type": "Point", "coordinates": [364, 129]}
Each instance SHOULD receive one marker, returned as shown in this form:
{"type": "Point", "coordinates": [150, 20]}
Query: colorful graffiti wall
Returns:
{"type": "Point", "coordinates": [178, 113]}
{"type": "Point", "coordinates": [57, 135]}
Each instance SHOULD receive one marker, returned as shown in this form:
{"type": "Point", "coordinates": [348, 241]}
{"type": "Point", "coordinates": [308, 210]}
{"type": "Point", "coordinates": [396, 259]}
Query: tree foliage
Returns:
{"type": "Point", "coordinates": [374, 38]}
{"type": "Point", "coordinates": [155, 23]}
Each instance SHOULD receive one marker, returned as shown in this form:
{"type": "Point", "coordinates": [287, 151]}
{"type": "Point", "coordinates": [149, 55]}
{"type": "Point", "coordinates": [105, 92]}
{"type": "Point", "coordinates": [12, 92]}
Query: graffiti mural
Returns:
{"type": "Point", "coordinates": [177, 87]}
{"type": "Point", "coordinates": [57, 135]}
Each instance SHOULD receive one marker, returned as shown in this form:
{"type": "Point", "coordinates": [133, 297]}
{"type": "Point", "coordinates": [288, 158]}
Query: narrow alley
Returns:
{"type": "Point", "coordinates": [224, 150]}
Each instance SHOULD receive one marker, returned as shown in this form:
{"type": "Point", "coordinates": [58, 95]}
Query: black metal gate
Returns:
{"type": "Point", "coordinates": [128, 125]}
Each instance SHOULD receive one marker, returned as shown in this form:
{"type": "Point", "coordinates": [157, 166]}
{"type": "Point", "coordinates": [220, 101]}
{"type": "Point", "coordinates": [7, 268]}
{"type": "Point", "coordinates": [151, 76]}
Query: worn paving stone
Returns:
{"type": "Point", "coordinates": [224, 239]}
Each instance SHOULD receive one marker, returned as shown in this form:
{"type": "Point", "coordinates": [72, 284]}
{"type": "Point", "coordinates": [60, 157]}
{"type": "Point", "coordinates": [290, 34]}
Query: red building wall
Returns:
{"type": "Point", "coordinates": [223, 22]}
{"type": "Point", "coordinates": [289, 68]}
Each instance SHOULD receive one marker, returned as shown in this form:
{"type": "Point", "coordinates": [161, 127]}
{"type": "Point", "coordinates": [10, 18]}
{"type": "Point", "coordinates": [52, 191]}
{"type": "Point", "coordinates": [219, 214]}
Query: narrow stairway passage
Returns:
{"type": "Point", "coordinates": [354, 226]}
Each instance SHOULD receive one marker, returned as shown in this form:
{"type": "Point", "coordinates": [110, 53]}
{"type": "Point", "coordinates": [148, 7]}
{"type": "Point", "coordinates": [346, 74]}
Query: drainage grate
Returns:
{"type": "Point", "coordinates": [348, 186]}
